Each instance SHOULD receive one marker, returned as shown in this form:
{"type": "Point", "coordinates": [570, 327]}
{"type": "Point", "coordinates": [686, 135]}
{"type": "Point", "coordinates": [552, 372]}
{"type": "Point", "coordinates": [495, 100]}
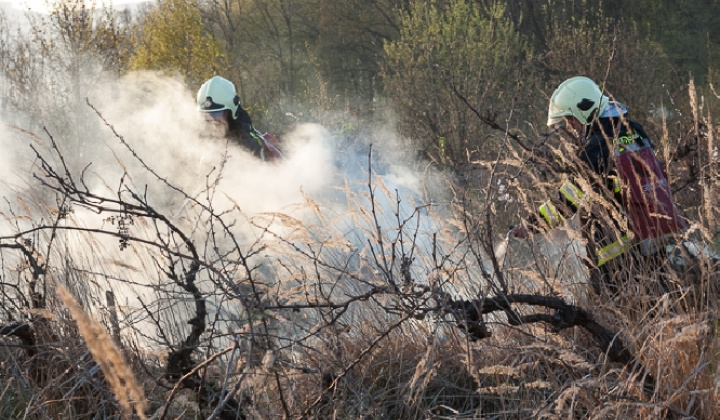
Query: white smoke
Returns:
{"type": "Point", "coordinates": [157, 119]}
{"type": "Point", "coordinates": [146, 137]}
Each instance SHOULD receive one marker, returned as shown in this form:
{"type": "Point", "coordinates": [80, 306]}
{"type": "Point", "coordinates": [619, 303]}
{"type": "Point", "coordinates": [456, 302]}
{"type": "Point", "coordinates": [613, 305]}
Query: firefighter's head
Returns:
{"type": "Point", "coordinates": [218, 104]}
{"type": "Point", "coordinates": [577, 102]}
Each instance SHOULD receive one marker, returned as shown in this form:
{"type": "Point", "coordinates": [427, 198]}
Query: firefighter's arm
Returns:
{"type": "Point", "coordinates": [550, 214]}
{"type": "Point", "coordinates": [572, 198]}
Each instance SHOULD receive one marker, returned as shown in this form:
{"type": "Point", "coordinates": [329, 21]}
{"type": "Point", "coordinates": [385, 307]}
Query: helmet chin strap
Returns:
{"type": "Point", "coordinates": [557, 128]}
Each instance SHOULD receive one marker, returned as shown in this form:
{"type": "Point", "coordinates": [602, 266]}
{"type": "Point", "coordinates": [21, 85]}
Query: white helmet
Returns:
{"type": "Point", "coordinates": [218, 94]}
{"type": "Point", "coordinates": [579, 97]}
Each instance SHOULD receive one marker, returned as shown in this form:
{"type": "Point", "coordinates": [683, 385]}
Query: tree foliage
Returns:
{"type": "Point", "coordinates": [173, 39]}
{"type": "Point", "coordinates": [442, 44]}
{"type": "Point", "coordinates": [609, 50]}
{"type": "Point", "coordinates": [55, 62]}
{"type": "Point", "coordinates": [266, 40]}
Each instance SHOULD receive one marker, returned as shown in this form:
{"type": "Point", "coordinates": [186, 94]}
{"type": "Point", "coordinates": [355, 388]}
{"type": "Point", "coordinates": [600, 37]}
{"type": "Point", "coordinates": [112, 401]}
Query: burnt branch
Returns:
{"type": "Point", "coordinates": [470, 316]}
{"type": "Point", "coordinates": [21, 330]}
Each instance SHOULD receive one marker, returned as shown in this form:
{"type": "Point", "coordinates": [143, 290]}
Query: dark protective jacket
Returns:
{"type": "Point", "coordinates": [263, 146]}
{"type": "Point", "coordinates": [597, 156]}
{"type": "Point", "coordinates": [241, 129]}
{"type": "Point", "coordinates": [619, 152]}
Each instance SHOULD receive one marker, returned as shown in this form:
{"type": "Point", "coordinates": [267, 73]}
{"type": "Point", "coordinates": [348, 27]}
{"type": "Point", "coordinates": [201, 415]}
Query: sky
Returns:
{"type": "Point", "coordinates": [41, 5]}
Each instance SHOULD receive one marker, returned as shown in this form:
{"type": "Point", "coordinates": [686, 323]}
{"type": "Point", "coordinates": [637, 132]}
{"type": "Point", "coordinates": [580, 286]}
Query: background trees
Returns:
{"type": "Point", "coordinates": [173, 39]}
{"type": "Point", "coordinates": [300, 57]}
{"type": "Point", "coordinates": [456, 44]}
{"type": "Point", "coordinates": [303, 56]}
{"type": "Point", "coordinates": [53, 61]}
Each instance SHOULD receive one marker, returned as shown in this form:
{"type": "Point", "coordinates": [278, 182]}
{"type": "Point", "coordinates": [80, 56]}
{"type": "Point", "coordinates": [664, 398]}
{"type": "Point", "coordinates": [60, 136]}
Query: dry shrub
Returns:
{"type": "Point", "coordinates": [681, 352]}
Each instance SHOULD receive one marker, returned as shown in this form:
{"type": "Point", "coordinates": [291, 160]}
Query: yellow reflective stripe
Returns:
{"type": "Point", "coordinates": [550, 213]}
{"type": "Point", "coordinates": [572, 193]}
{"type": "Point", "coordinates": [259, 139]}
{"type": "Point", "coordinates": [611, 251]}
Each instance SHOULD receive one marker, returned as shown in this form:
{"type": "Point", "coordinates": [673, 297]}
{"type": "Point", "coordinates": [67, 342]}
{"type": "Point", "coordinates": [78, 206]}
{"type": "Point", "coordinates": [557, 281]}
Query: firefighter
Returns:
{"type": "Point", "coordinates": [602, 133]}
{"type": "Point", "coordinates": [219, 107]}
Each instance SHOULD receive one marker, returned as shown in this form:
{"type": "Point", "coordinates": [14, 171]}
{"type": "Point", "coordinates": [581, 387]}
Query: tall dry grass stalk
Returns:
{"type": "Point", "coordinates": [106, 353]}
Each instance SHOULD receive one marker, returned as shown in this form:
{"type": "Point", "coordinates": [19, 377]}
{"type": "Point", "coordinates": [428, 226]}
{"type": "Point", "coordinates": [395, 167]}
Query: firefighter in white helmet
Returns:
{"type": "Point", "coordinates": [219, 106]}
{"type": "Point", "coordinates": [578, 106]}
{"type": "Point", "coordinates": [607, 140]}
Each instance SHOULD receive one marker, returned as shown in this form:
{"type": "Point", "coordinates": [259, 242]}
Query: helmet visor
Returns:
{"type": "Point", "coordinates": [555, 120]}
{"type": "Point", "coordinates": [556, 114]}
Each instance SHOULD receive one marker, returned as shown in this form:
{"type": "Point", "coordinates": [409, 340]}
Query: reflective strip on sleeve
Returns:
{"type": "Point", "coordinates": [611, 251]}
{"type": "Point", "coordinates": [572, 193]}
{"type": "Point", "coordinates": [550, 213]}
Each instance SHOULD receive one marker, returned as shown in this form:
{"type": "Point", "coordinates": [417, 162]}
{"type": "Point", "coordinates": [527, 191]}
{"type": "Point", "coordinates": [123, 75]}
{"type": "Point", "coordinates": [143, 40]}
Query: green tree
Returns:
{"type": "Point", "coordinates": [172, 38]}
{"type": "Point", "coordinates": [349, 47]}
{"type": "Point", "coordinates": [656, 44]}
{"type": "Point", "coordinates": [456, 42]}
{"type": "Point", "coordinates": [687, 30]}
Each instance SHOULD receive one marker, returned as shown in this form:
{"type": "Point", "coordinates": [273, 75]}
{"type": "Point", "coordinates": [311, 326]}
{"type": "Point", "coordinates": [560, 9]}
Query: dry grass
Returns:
{"type": "Point", "coordinates": [117, 371]}
{"type": "Point", "coordinates": [309, 317]}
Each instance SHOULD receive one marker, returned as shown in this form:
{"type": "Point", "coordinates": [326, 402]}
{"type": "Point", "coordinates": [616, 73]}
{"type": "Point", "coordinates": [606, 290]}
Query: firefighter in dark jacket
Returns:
{"type": "Point", "coordinates": [219, 106]}
{"type": "Point", "coordinates": [602, 132]}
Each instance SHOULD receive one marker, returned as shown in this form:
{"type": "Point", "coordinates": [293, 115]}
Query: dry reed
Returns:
{"type": "Point", "coordinates": [108, 356]}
